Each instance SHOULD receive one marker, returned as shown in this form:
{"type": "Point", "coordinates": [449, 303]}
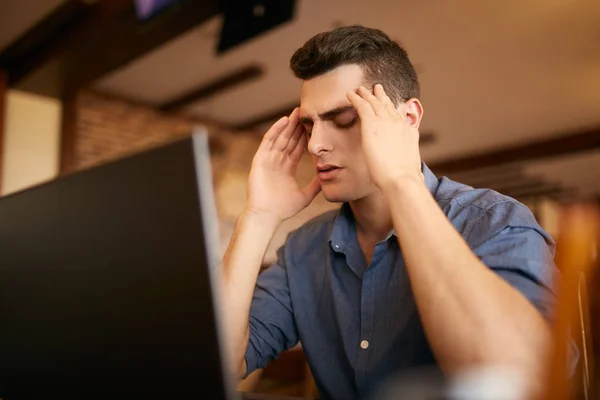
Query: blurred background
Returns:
{"type": "Point", "coordinates": [511, 91]}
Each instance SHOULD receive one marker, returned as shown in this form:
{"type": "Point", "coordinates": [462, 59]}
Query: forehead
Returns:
{"type": "Point", "coordinates": [328, 91]}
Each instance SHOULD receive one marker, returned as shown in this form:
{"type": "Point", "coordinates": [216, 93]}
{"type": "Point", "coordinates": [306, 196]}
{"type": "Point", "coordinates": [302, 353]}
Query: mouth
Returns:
{"type": "Point", "coordinates": [328, 172]}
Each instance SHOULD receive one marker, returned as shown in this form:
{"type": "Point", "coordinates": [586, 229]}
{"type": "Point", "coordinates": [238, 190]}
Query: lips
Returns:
{"type": "Point", "coordinates": [326, 167]}
{"type": "Point", "coordinates": [328, 172]}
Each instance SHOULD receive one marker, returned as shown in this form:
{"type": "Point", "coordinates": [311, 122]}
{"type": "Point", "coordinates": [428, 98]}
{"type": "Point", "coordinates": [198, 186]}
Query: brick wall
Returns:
{"type": "Point", "coordinates": [108, 128]}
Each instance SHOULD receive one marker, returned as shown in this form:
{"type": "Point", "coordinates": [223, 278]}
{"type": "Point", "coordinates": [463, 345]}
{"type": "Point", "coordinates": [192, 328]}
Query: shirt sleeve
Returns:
{"type": "Point", "coordinates": [510, 242]}
{"type": "Point", "coordinates": [272, 326]}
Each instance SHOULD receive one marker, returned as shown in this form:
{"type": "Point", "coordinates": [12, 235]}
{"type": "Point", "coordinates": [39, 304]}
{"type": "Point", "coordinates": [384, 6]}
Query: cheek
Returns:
{"type": "Point", "coordinates": [357, 164]}
{"type": "Point", "coordinates": [356, 156]}
{"type": "Point", "coordinates": [352, 140]}
{"type": "Point", "coordinates": [354, 145]}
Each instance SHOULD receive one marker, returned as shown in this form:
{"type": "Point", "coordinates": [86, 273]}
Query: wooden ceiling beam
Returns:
{"type": "Point", "coordinates": [489, 176]}
{"type": "Point", "coordinates": [82, 41]}
{"type": "Point", "coordinates": [240, 76]}
{"type": "Point", "coordinates": [524, 186]}
{"type": "Point", "coordinates": [558, 145]}
{"type": "Point", "coordinates": [546, 190]}
{"type": "Point", "coordinates": [45, 40]}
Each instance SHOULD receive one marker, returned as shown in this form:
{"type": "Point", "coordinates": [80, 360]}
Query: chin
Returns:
{"type": "Point", "coordinates": [335, 196]}
{"type": "Point", "coordinates": [334, 199]}
{"type": "Point", "coordinates": [344, 193]}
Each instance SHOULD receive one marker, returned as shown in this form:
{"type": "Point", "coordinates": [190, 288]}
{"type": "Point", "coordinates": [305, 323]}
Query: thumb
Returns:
{"type": "Point", "coordinates": [311, 190]}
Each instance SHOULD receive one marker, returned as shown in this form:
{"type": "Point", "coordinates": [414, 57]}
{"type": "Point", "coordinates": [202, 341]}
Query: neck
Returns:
{"type": "Point", "coordinates": [372, 216]}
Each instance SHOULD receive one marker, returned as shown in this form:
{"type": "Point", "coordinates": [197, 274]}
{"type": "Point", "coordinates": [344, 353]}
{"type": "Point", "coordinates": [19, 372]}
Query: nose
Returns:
{"type": "Point", "coordinates": [318, 142]}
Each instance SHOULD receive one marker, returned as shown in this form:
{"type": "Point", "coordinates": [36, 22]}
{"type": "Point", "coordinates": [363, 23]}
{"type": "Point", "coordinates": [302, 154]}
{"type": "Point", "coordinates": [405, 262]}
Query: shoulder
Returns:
{"type": "Point", "coordinates": [461, 196]}
{"type": "Point", "coordinates": [472, 209]}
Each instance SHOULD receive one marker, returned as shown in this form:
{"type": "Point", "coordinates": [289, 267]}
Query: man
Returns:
{"type": "Point", "coordinates": [412, 270]}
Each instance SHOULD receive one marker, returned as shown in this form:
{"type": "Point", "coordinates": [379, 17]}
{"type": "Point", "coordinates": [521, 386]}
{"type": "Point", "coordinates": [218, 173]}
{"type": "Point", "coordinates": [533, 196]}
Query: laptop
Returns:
{"type": "Point", "coordinates": [108, 281]}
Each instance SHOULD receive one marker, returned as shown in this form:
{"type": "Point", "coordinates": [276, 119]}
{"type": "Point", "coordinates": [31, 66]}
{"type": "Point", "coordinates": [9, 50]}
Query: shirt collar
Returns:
{"type": "Point", "coordinates": [431, 181]}
{"type": "Point", "coordinates": [343, 225]}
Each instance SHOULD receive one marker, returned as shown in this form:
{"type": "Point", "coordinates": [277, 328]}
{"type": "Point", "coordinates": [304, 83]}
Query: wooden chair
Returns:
{"type": "Point", "coordinates": [575, 258]}
{"type": "Point", "coordinates": [585, 374]}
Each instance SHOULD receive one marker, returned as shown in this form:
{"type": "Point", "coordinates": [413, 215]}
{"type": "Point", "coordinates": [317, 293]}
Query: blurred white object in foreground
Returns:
{"type": "Point", "coordinates": [488, 383]}
{"type": "Point", "coordinates": [485, 383]}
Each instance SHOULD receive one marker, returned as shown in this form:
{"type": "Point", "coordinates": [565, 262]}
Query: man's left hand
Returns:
{"type": "Point", "coordinates": [390, 142]}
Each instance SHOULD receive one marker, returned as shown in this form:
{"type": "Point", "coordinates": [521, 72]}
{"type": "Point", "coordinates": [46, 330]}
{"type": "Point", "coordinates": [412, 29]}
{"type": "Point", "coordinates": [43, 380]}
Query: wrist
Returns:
{"type": "Point", "coordinates": [264, 220]}
{"type": "Point", "coordinates": [404, 187]}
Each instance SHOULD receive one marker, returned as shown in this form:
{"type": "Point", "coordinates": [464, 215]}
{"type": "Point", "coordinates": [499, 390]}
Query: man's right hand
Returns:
{"type": "Point", "coordinates": [273, 192]}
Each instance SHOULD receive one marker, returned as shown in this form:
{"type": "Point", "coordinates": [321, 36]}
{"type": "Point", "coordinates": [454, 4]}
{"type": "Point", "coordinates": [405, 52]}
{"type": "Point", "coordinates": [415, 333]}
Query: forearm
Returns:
{"type": "Point", "coordinates": [240, 266]}
{"type": "Point", "coordinates": [471, 316]}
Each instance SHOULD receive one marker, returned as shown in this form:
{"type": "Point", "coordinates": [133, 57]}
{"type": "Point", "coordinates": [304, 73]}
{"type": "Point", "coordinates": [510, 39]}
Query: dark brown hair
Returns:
{"type": "Point", "coordinates": [382, 60]}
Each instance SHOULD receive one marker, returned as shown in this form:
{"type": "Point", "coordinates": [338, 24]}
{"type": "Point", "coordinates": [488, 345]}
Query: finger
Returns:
{"type": "Point", "coordinates": [382, 96]}
{"type": "Point", "coordinates": [297, 153]}
{"type": "Point", "coordinates": [274, 131]}
{"type": "Point", "coordinates": [293, 142]}
{"type": "Point", "coordinates": [281, 141]}
{"type": "Point", "coordinates": [311, 190]}
{"type": "Point", "coordinates": [362, 107]}
{"type": "Point", "coordinates": [377, 105]}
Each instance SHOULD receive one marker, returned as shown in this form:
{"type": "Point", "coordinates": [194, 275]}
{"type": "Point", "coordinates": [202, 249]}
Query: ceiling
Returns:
{"type": "Point", "coordinates": [17, 16]}
{"type": "Point", "coordinates": [493, 74]}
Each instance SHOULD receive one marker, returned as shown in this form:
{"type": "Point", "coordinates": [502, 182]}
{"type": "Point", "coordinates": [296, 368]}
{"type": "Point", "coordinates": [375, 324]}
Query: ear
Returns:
{"type": "Point", "coordinates": [412, 110]}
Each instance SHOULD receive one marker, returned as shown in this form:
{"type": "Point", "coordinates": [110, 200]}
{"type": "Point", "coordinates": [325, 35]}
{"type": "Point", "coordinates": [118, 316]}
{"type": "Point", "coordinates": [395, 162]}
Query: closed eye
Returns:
{"type": "Point", "coordinates": [347, 125]}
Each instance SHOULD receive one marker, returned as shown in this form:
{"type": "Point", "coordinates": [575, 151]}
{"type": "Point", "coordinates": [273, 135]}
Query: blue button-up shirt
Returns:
{"type": "Point", "coordinates": [358, 323]}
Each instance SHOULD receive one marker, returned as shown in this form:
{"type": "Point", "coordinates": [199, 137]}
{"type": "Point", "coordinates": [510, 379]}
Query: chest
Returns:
{"type": "Point", "coordinates": [359, 320]}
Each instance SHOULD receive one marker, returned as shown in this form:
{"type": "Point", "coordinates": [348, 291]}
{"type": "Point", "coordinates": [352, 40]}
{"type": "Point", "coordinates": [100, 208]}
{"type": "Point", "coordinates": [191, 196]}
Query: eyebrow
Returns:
{"type": "Point", "coordinates": [329, 115]}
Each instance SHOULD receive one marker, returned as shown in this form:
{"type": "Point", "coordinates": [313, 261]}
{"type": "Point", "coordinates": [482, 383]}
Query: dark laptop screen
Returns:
{"type": "Point", "coordinates": [105, 284]}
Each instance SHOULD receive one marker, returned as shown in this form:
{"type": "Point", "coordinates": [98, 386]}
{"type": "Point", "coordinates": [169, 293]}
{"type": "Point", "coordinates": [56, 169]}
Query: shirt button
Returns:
{"type": "Point", "coordinates": [364, 345]}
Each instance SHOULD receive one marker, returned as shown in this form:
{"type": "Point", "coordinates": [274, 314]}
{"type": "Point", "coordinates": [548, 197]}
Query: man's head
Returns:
{"type": "Point", "coordinates": [331, 64]}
